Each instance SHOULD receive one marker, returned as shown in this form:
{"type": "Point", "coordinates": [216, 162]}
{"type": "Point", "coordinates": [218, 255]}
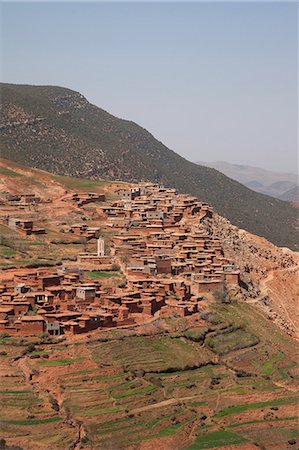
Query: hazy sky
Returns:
{"type": "Point", "coordinates": [213, 81]}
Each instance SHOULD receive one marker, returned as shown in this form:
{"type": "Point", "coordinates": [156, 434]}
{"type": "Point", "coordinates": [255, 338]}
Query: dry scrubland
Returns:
{"type": "Point", "coordinates": [225, 379]}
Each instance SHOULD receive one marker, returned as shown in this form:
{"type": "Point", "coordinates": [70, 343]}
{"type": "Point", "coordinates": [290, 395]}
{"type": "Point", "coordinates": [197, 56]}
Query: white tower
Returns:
{"type": "Point", "coordinates": [101, 247]}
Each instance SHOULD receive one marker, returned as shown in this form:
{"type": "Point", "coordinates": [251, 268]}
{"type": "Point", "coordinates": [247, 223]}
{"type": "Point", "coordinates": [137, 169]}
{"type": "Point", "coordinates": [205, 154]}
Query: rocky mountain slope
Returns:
{"type": "Point", "coordinates": [58, 130]}
{"type": "Point", "coordinates": [259, 180]}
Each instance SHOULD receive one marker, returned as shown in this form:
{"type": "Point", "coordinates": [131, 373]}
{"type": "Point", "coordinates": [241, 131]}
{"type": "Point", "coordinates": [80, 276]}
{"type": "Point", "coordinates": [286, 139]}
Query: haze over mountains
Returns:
{"type": "Point", "coordinates": [277, 184]}
{"type": "Point", "coordinates": [58, 130]}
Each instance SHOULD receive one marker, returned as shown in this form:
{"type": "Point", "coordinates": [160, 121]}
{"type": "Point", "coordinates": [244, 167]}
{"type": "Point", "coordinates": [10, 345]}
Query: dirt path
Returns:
{"type": "Point", "coordinates": [278, 300]}
{"type": "Point", "coordinates": [170, 401]}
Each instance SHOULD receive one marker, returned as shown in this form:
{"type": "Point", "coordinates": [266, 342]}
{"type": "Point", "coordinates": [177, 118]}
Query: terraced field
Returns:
{"type": "Point", "coordinates": [26, 412]}
{"type": "Point", "coordinates": [173, 390]}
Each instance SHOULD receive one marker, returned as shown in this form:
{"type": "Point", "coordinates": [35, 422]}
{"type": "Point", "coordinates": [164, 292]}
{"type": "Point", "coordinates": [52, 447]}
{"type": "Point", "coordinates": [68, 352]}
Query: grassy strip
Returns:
{"type": "Point", "coordinates": [121, 428]}
{"type": "Point", "coordinates": [79, 372]}
{"type": "Point", "coordinates": [59, 362]}
{"type": "Point", "coordinates": [251, 422]}
{"type": "Point", "coordinates": [241, 408]}
{"type": "Point", "coordinates": [197, 403]}
{"type": "Point", "coordinates": [269, 366]}
{"type": "Point", "coordinates": [9, 173]}
{"type": "Point", "coordinates": [282, 370]}
{"type": "Point", "coordinates": [79, 183]}
{"type": "Point", "coordinates": [98, 412]}
{"type": "Point", "coordinates": [6, 251]}
{"type": "Point", "coordinates": [101, 274]}
{"type": "Point", "coordinates": [167, 431]}
{"type": "Point", "coordinates": [217, 439]}
{"type": "Point", "coordinates": [135, 392]}
{"type": "Point", "coordinates": [15, 392]}
{"type": "Point", "coordinates": [32, 421]}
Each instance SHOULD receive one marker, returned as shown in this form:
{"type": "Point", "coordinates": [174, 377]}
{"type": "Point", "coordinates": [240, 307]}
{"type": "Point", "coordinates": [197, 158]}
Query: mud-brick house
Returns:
{"type": "Point", "coordinates": [53, 328]}
{"type": "Point", "coordinates": [21, 288]}
{"type": "Point", "coordinates": [32, 325]}
{"type": "Point", "coordinates": [85, 198]}
{"type": "Point", "coordinates": [26, 199]}
{"type": "Point", "coordinates": [20, 307]}
{"type": "Point", "coordinates": [88, 323]}
{"type": "Point", "coordinates": [13, 197]}
{"type": "Point", "coordinates": [99, 262]}
{"type": "Point", "coordinates": [233, 278]}
{"type": "Point", "coordinates": [62, 293]}
{"type": "Point", "coordinates": [40, 297]}
{"type": "Point", "coordinates": [206, 286]}
{"type": "Point", "coordinates": [6, 312]}
{"type": "Point", "coordinates": [4, 324]}
{"type": "Point", "coordinates": [29, 277]}
{"type": "Point", "coordinates": [163, 264]}
{"type": "Point", "coordinates": [130, 194]}
{"type": "Point", "coordinates": [24, 226]}
{"type": "Point", "coordinates": [182, 309]}
{"type": "Point", "coordinates": [132, 304]}
{"type": "Point", "coordinates": [71, 327]}
{"type": "Point", "coordinates": [46, 281]}
{"type": "Point", "coordinates": [107, 320]}
{"type": "Point", "coordinates": [86, 292]}
{"type": "Point", "coordinates": [2, 288]}
{"type": "Point", "coordinates": [123, 314]}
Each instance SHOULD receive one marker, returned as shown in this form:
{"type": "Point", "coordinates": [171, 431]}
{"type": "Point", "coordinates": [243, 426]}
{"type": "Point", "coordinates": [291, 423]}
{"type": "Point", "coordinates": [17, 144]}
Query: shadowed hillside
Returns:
{"type": "Point", "coordinates": [58, 130]}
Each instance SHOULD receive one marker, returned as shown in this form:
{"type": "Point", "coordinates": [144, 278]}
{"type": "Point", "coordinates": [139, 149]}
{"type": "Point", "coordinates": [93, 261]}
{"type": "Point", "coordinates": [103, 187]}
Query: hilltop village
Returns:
{"type": "Point", "coordinates": [167, 263]}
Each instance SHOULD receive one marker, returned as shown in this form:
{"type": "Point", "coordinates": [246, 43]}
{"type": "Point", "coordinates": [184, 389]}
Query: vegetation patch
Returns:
{"type": "Point", "coordinates": [95, 274]}
{"type": "Point", "coordinates": [6, 251]}
{"type": "Point", "coordinates": [229, 340]}
{"type": "Point", "coordinates": [82, 184]}
{"type": "Point", "coordinates": [217, 439]}
{"type": "Point", "coordinates": [155, 354]}
{"type": "Point", "coordinates": [9, 172]}
{"type": "Point", "coordinates": [32, 421]}
{"type": "Point", "coordinates": [98, 412]}
{"type": "Point", "coordinates": [144, 390]}
{"type": "Point", "coordinates": [269, 366]}
{"type": "Point", "coordinates": [60, 362]}
{"type": "Point", "coordinates": [236, 409]}
{"type": "Point", "coordinates": [251, 422]}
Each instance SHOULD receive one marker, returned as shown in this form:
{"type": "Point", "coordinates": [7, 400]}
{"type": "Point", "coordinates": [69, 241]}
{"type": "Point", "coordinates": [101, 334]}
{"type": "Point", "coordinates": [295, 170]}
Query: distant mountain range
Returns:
{"type": "Point", "coordinates": [277, 184]}
{"type": "Point", "coordinates": [58, 130]}
{"type": "Point", "coordinates": [292, 195]}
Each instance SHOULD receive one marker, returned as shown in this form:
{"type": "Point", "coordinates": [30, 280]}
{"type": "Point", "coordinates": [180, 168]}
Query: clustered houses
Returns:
{"type": "Point", "coordinates": [38, 301]}
{"type": "Point", "coordinates": [23, 199]}
{"type": "Point", "coordinates": [83, 230]}
{"type": "Point", "coordinates": [24, 226]}
{"type": "Point", "coordinates": [84, 198]}
{"type": "Point", "coordinates": [169, 263]}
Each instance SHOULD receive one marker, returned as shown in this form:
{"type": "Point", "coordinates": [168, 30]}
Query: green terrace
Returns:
{"type": "Point", "coordinates": [9, 172]}
{"type": "Point", "coordinates": [60, 362]}
{"type": "Point", "coordinates": [82, 184]}
{"type": "Point", "coordinates": [95, 274]}
{"type": "Point", "coordinates": [28, 422]}
{"type": "Point", "coordinates": [216, 439]}
{"type": "Point", "coordinates": [237, 409]}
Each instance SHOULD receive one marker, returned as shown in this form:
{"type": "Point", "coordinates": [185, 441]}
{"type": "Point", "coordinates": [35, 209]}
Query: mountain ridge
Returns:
{"type": "Point", "coordinates": [265, 181]}
{"type": "Point", "coordinates": [57, 129]}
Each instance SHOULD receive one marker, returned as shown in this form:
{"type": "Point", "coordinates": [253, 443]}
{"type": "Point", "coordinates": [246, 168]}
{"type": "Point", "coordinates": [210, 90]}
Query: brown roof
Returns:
{"type": "Point", "coordinates": [36, 318]}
